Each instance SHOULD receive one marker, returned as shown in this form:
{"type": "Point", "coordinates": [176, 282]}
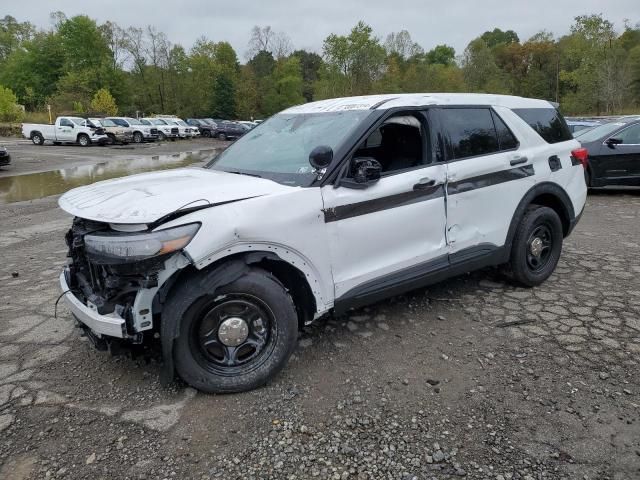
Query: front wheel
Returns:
{"type": "Point", "coordinates": [222, 136]}
{"type": "Point", "coordinates": [137, 137]}
{"type": "Point", "coordinates": [238, 337]}
{"type": "Point", "coordinates": [84, 140]}
{"type": "Point", "coordinates": [536, 246]}
{"type": "Point", "coordinates": [162, 137]}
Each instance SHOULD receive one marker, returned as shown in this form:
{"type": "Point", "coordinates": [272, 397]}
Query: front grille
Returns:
{"type": "Point", "coordinates": [154, 131]}
{"type": "Point", "coordinates": [175, 131]}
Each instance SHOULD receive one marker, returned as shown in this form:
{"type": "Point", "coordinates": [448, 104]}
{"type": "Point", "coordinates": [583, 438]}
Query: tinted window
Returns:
{"type": "Point", "coordinates": [549, 124]}
{"type": "Point", "coordinates": [630, 136]}
{"type": "Point", "coordinates": [506, 139]}
{"type": "Point", "coordinates": [471, 131]}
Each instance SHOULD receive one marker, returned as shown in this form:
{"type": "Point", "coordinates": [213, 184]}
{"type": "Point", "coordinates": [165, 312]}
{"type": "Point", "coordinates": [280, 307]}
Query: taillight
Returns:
{"type": "Point", "coordinates": [582, 155]}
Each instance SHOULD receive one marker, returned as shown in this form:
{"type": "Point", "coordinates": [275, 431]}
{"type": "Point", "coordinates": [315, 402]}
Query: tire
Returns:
{"type": "Point", "coordinates": [222, 136]}
{"type": "Point", "coordinates": [37, 138]}
{"type": "Point", "coordinates": [84, 140]}
{"type": "Point", "coordinates": [137, 137]}
{"type": "Point", "coordinates": [57, 144]}
{"type": "Point", "coordinates": [262, 305]}
{"type": "Point", "coordinates": [537, 246]}
{"type": "Point", "coordinates": [206, 133]}
{"type": "Point", "coordinates": [162, 137]}
{"type": "Point", "coordinates": [112, 139]}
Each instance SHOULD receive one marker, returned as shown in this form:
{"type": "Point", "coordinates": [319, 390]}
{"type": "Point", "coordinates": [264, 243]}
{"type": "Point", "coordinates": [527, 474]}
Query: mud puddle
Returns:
{"type": "Point", "coordinates": [39, 185]}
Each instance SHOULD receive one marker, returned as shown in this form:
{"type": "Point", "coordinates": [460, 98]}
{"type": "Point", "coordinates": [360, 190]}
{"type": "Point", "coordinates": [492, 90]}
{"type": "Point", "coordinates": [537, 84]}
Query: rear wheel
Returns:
{"type": "Point", "coordinates": [536, 246]}
{"type": "Point", "coordinates": [37, 138]}
{"type": "Point", "coordinates": [206, 133]}
{"type": "Point", "coordinates": [238, 337]}
{"type": "Point", "coordinates": [84, 140]}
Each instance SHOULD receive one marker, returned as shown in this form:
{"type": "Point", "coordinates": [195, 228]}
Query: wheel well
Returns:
{"type": "Point", "coordinates": [34, 133]}
{"type": "Point", "coordinates": [291, 278]}
{"type": "Point", "coordinates": [295, 282]}
{"type": "Point", "coordinates": [553, 202]}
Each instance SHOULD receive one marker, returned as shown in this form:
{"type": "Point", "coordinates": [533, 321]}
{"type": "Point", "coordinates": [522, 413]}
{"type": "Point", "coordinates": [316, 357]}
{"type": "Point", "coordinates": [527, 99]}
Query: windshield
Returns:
{"type": "Point", "coordinates": [599, 132]}
{"type": "Point", "coordinates": [108, 123]}
{"type": "Point", "coordinates": [157, 121]}
{"type": "Point", "coordinates": [133, 121]}
{"type": "Point", "coordinates": [181, 123]}
{"type": "Point", "coordinates": [145, 122]}
{"type": "Point", "coordinates": [279, 148]}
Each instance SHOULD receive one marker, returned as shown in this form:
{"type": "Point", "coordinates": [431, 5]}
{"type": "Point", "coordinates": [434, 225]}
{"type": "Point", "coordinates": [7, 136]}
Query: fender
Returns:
{"type": "Point", "coordinates": [561, 202]}
{"type": "Point", "coordinates": [324, 299]}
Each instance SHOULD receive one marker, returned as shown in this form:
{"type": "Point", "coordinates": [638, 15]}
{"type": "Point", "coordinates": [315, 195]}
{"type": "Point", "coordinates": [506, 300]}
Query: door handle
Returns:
{"type": "Point", "coordinates": [424, 183]}
{"type": "Point", "coordinates": [518, 161]}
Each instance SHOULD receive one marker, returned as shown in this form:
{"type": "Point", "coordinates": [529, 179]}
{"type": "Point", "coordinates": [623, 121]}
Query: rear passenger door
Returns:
{"type": "Point", "coordinates": [487, 176]}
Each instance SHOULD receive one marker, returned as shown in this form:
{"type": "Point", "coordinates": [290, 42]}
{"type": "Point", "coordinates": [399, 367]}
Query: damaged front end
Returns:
{"type": "Point", "coordinates": [117, 274]}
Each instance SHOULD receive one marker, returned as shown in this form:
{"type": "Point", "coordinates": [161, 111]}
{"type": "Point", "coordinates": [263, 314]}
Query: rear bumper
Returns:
{"type": "Point", "coordinates": [111, 325]}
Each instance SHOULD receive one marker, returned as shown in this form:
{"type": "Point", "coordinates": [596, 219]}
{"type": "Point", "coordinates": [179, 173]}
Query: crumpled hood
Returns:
{"type": "Point", "coordinates": [147, 197]}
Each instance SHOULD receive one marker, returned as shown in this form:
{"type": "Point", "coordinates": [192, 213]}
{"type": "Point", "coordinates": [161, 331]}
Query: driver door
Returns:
{"type": "Point", "coordinates": [393, 229]}
{"type": "Point", "coordinates": [65, 131]}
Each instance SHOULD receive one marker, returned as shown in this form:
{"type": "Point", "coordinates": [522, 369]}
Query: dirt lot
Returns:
{"type": "Point", "coordinates": [432, 385]}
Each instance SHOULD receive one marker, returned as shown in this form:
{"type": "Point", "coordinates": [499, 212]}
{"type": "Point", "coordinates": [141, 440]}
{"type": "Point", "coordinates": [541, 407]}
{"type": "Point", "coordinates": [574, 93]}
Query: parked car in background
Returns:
{"type": "Point", "coordinates": [75, 130]}
{"type": "Point", "coordinates": [327, 206]}
{"type": "Point", "coordinates": [614, 153]}
{"type": "Point", "coordinates": [250, 125]}
{"type": "Point", "coordinates": [115, 132]}
{"type": "Point", "coordinates": [141, 132]}
{"type": "Point", "coordinates": [577, 127]}
{"type": "Point", "coordinates": [227, 130]}
{"type": "Point", "coordinates": [165, 129]}
{"type": "Point", "coordinates": [184, 130]}
{"type": "Point", "coordinates": [5, 158]}
{"type": "Point", "coordinates": [206, 130]}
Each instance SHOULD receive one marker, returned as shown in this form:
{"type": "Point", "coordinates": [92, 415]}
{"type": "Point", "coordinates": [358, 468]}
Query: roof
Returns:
{"type": "Point", "coordinates": [385, 102]}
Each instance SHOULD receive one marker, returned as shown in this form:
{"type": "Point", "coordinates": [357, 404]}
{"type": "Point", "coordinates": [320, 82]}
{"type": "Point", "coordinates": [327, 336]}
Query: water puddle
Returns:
{"type": "Point", "coordinates": [39, 185]}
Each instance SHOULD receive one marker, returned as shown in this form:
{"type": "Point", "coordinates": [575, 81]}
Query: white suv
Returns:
{"type": "Point", "coordinates": [324, 207]}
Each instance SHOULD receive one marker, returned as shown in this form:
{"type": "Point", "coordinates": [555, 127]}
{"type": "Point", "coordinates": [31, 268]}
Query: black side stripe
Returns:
{"type": "Point", "coordinates": [490, 179]}
{"type": "Point", "coordinates": [351, 210]}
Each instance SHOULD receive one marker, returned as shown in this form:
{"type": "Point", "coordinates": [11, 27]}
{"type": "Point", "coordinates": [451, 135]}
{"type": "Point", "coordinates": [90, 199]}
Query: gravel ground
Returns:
{"type": "Point", "coordinates": [472, 378]}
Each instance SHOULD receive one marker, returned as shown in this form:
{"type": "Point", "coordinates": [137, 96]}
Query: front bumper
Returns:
{"type": "Point", "coordinates": [5, 160]}
{"type": "Point", "coordinates": [111, 325]}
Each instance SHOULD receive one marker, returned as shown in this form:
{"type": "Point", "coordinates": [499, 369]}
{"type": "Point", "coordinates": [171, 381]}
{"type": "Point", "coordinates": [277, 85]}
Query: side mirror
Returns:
{"type": "Point", "coordinates": [612, 142]}
{"type": "Point", "coordinates": [364, 171]}
{"type": "Point", "coordinates": [320, 157]}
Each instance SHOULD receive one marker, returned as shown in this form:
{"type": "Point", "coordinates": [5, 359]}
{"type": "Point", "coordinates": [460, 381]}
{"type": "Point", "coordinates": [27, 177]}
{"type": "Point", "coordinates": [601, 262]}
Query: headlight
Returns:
{"type": "Point", "coordinates": [146, 130]}
{"type": "Point", "coordinates": [118, 248]}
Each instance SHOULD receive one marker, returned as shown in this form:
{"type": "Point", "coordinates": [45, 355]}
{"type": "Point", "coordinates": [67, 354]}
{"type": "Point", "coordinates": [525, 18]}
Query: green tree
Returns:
{"type": "Point", "coordinates": [10, 111]}
{"type": "Point", "coordinates": [287, 87]}
{"type": "Point", "coordinates": [497, 37]}
{"type": "Point", "coordinates": [441, 54]}
{"type": "Point", "coordinates": [310, 63]}
{"type": "Point", "coordinates": [224, 97]}
{"type": "Point", "coordinates": [103, 103]}
{"type": "Point", "coordinates": [358, 58]}
{"type": "Point", "coordinates": [481, 73]}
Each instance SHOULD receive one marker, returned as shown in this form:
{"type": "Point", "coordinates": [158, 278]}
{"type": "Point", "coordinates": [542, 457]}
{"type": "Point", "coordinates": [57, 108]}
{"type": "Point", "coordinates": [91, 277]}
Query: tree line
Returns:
{"type": "Point", "coordinates": [79, 65]}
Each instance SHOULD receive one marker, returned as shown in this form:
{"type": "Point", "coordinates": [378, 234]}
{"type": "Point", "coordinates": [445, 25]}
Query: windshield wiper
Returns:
{"type": "Point", "coordinates": [244, 173]}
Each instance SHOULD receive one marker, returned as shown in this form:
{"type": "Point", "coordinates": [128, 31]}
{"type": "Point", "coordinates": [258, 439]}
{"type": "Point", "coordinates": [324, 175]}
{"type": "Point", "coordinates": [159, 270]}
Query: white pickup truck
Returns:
{"type": "Point", "coordinates": [66, 130]}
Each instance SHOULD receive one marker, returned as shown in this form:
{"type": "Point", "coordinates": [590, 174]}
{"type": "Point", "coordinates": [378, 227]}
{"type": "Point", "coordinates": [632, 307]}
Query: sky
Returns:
{"type": "Point", "coordinates": [309, 22]}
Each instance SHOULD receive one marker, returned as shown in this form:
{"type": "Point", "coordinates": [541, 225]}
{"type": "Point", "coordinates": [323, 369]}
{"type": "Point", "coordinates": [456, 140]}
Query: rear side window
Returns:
{"type": "Point", "coordinates": [548, 122]}
{"type": "Point", "coordinates": [471, 132]}
{"type": "Point", "coordinates": [506, 138]}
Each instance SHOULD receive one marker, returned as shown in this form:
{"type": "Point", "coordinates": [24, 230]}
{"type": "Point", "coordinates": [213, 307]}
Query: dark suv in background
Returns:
{"type": "Point", "coordinates": [614, 153]}
{"type": "Point", "coordinates": [206, 129]}
{"type": "Point", "coordinates": [227, 130]}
